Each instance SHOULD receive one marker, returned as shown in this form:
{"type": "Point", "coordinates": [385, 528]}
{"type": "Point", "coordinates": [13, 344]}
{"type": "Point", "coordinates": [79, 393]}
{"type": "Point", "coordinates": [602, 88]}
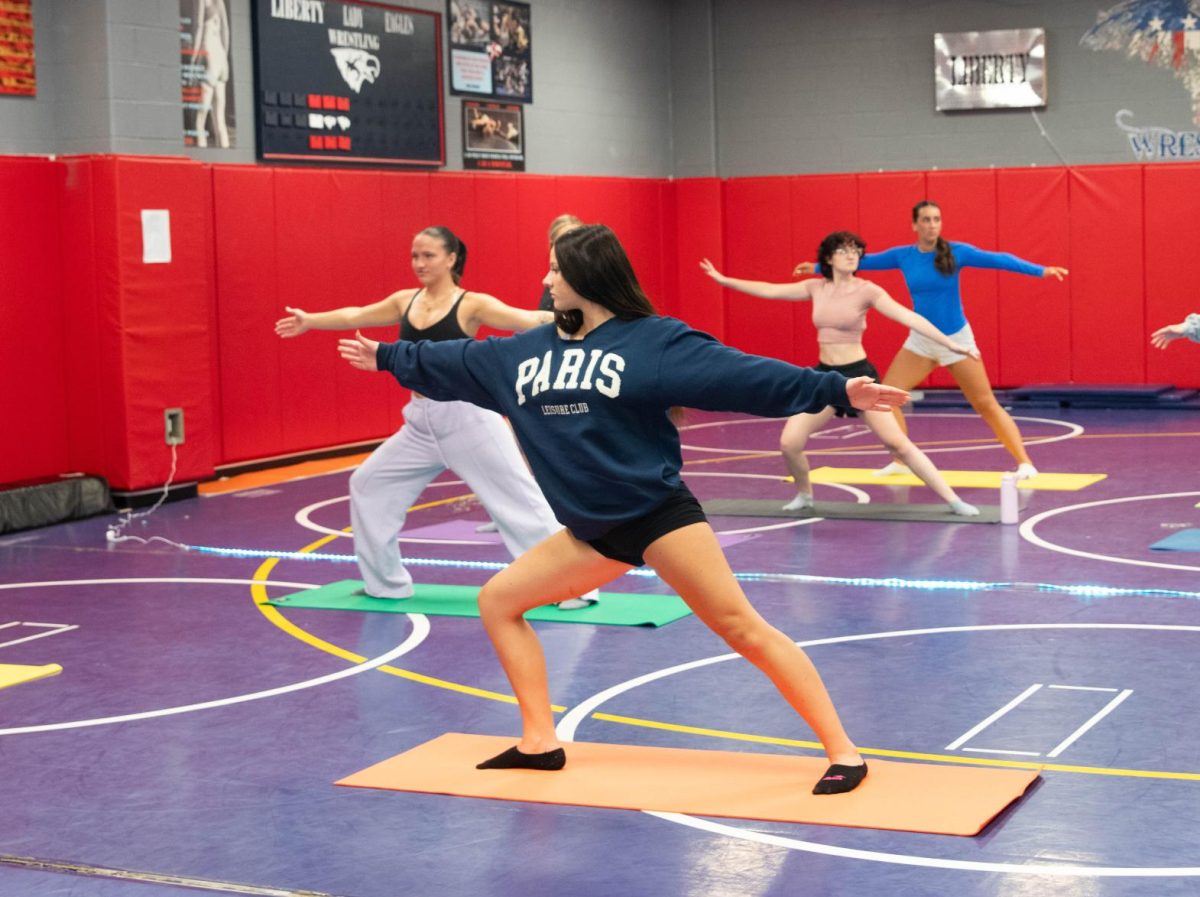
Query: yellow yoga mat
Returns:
{"type": "Point", "coordinates": [913, 797]}
{"type": "Point", "coordinates": [16, 673]}
{"type": "Point", "coordinates": [958, 479]}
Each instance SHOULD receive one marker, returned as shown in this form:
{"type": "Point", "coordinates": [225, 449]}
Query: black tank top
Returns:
{"type": "Point", "coordinates": [446, 327]}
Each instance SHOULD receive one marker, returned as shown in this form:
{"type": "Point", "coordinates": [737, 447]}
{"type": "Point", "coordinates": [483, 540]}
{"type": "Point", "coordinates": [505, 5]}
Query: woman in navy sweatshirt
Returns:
{"type": "Point", "coordinates": [590, 400]}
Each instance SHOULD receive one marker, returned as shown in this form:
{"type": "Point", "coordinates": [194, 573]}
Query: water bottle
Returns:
{"type": "Point", "coordinates": [1008, 498]}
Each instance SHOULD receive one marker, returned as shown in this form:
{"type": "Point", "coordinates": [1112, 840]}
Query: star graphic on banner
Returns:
{"type": "Point", "coordinates": [1164, 33]}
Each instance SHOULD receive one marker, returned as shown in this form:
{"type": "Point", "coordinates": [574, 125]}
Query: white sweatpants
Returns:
{"type": "Point", "coordinates": [474, 443]}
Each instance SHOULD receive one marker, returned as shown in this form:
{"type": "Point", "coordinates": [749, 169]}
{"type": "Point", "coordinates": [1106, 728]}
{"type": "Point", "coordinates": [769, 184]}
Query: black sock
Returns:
{"type": "Point", "coordinates": [514, 759]}
{"type": "Point", "coordinates": [839, 779]}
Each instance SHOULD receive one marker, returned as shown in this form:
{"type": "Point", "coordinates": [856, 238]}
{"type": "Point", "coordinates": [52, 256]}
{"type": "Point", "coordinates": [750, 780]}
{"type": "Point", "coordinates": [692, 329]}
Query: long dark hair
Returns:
{"type": "Point", "coordinates": [594, 264]}
{"type": "Point", "coordinates": [832, 243]}
{"type": "Point", "coordinates": [452, 244]}
{"type": "Point", "coordinates": [944, 260]}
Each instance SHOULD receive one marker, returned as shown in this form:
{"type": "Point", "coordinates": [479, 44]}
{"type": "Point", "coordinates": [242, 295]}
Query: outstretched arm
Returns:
{"type": "Point", "coordinates": [351, 317]}
{"type": "Point", "coordinates": [968, 256]}
{"type": "Point", "coordinates": [697, 371]}
{"type": "Point", "coordinates": [491, 312]}
{"type": "Point", "coordinates": [762, 289]}
{"type": "Point", "coordinates": [1188, 328]}
{"type": "Point", "coordinates": [460, 369]}
{"type": "Point", "coordinates": [890, 308]}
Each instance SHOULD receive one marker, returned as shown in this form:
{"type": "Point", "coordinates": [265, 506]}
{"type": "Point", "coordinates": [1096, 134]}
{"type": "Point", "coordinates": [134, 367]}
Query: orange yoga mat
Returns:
{"type": "Point", "coordinates": [912, 797]}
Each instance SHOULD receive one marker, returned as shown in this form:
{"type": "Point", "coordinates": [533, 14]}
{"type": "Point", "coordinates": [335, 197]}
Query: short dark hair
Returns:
{"type": "Point", "coordinates": [592, 260]}
{"type": "Point", "coordinates": [452, 244]}
{"type": "Point", "coordinates": [833, 242]}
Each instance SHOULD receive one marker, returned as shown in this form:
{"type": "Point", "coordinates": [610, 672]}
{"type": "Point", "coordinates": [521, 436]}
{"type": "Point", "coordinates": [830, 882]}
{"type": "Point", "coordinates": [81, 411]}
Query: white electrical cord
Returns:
{"type": "Point", "coordinates": [114, 533]}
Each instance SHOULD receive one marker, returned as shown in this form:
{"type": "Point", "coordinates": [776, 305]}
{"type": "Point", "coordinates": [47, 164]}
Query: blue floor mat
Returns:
{"type": "Point", "coordinates": [1184, 540]}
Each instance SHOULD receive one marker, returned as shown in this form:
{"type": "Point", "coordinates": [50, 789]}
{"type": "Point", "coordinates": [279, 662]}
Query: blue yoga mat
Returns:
{"type": "Point", "coordinates": [1184, 540]}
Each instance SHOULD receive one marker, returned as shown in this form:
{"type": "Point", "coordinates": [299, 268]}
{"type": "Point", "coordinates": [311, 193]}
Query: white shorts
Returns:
{"type": "Point", "coordinates": [927, 348]}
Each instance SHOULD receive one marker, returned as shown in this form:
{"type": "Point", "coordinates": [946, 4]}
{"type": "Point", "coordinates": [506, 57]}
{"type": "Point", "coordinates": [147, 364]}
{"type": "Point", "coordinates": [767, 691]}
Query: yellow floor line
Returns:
{"type": "Point", "coordinates": [258, 592]}
{"type": "Point", "coordinates": [903, 755]}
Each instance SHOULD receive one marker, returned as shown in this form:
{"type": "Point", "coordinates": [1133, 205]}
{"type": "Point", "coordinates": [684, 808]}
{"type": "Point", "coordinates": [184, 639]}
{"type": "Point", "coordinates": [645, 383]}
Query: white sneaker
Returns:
{"type": "Point", "coordinates": [892, 468]}
{"type": "Point", "coordinates": [592, 597]}
{"type": "Point", "coordinates": [801, 502]}
{"type": "Point", "coordinates": [489, 527]}
{"type": "Point", "coordinates": [1026, 471]}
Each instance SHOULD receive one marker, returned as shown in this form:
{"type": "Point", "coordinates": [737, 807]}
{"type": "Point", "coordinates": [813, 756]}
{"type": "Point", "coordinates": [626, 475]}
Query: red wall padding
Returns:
{"type": "Point", "coordinates": [758, 246]}
{"type": "Point", "coordinates": [247, 305]}
{"type": "Point", "coordinates": [34, 403]}
{"type": "Point", "coordinates": [90, 348]}
{"type": "Point", "coordinates": [1035, 329]}
{"type": "Point", "coordinates": [694, 221]}
{"type": "Point", "coordinates": [149, 324]}
{"type": "Point", "coordinates": [1106, 224]}
{"type": "Point", "coordinates": [117, 340]}
{"type": "Point", "coordinates": [1171, 268]}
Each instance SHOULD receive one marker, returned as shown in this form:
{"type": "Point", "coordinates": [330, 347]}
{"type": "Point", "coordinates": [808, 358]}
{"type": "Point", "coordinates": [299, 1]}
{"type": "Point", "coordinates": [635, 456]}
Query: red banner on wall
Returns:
{"type": "Point", "coordinates": [17, 73]}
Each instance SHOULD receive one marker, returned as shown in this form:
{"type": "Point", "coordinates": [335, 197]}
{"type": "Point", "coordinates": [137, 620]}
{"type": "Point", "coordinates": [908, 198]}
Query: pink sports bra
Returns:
{"type": "Point", "coordinates": [841, 319]}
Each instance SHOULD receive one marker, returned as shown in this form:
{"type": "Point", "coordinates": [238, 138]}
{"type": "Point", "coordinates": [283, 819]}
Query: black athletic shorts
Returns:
{"type": "Point", "coordinates": [860, 368]}
{"type": "Point", "coordinates": [628, 541]}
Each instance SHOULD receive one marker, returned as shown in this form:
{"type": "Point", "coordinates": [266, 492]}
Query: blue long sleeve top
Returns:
{"type": "Point", "coordinates": [935, 295]}
{"type": "Point", "coordinates": [591, 415]}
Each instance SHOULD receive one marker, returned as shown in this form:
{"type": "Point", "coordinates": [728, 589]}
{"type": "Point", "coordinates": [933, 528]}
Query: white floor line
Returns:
{"type": "Point", "coordinates": [1105, 711]}
{"type": "Point", "coordinates": [967, 736]}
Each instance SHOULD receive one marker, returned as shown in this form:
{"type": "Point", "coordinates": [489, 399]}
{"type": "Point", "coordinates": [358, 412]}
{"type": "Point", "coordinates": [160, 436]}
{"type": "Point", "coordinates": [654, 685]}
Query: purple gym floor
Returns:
{"type": "Point", "coordinates": [193, 735]}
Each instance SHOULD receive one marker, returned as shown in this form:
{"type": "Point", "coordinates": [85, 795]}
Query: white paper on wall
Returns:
{"type": "Point", "coordinates": [156, 236]}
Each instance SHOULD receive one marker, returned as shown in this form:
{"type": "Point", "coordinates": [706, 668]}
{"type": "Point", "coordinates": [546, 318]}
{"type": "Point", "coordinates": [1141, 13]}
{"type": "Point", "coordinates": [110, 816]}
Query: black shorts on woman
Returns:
{"type": "Point", "coordinates": [627, 542]}
{"type": "Point", "coordinates": [860, 368]}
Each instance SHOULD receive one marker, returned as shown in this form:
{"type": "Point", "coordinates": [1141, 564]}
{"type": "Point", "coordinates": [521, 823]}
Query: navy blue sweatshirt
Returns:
{"type": "Point", "coordinates": [591, 415]}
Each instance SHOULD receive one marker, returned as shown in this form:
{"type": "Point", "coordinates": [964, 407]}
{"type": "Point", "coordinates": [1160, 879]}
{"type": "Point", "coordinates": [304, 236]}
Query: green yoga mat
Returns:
{"type": "Point", "coordinates": [849, 510]}
{"type": "Point", "coordinates": [613, 609]}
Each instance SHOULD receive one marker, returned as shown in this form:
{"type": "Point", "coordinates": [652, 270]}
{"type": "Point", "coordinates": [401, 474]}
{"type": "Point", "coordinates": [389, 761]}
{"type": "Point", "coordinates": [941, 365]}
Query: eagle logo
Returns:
{"type": "Point", "coordinates": [356, 66]}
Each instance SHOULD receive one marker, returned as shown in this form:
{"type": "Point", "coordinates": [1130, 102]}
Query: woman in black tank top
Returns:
{"type": "Point", "coordinates": [436, 435]}
{"type": "Point", "coordinates": [439, 304]}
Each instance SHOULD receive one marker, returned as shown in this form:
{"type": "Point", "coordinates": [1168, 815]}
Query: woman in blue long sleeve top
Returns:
{"type": "Point", "coordinates": [590, 399]}
{"type": "Point", "coordinates": [931, 273]}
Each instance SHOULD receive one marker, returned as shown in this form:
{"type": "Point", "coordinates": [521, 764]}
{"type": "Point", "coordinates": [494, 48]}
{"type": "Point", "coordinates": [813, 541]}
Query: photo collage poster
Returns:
{"type": "Point", "coordinates": [491, 50]}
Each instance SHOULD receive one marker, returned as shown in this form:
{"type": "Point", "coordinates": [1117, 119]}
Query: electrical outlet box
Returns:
{"type": "Point", "coordinates": [173, 420]}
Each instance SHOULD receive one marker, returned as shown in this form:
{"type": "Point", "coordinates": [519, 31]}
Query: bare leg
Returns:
{"type": "Point", "coordinates": [792, 441]}
{"type": "Point", "coordinates": [206, 98]}
{"type": "Point", "coordinates": [556, 569]}
{"type": "Point", "coordinates": [910, 369]}
{"type": "Point", "coordinates": [220, 125]}
{"type": "Point", "coordinates": [883, 425]}
{"type": "Point", "coordinates": [690, 560]}
{"type": "Point", "coordinates": [972, 379]}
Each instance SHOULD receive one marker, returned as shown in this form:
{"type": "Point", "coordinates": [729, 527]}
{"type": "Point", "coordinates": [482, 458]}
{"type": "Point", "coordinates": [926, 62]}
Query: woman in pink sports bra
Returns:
{"type": "Point", "coordinates": [840, 302]}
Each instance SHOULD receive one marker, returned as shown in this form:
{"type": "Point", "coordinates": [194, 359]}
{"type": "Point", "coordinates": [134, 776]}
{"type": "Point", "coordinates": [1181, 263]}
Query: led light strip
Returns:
{"type": "Point", "coordinates": [892, 582]}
